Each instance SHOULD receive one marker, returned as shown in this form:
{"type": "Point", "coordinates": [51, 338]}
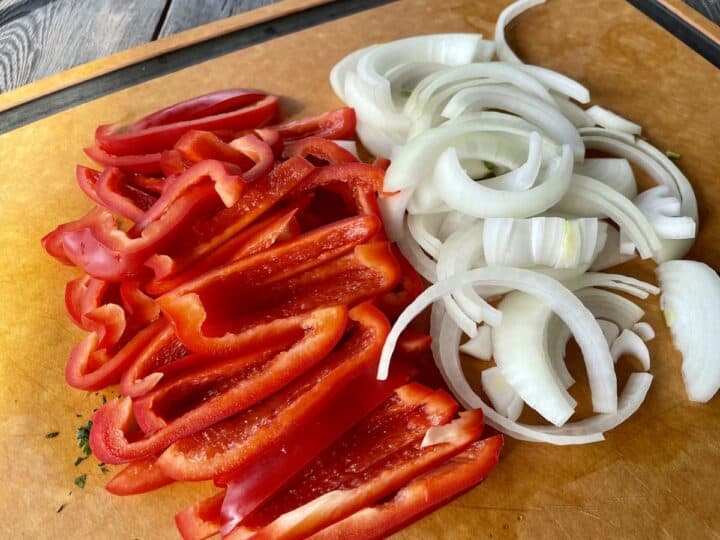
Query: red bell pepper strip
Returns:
{"type": "Point", "coordinates": [254, 239]}
{"type": "Point", "coordinates": [201, 520]}
{"type": "Point", "coordinates": [237, 443]}
{"type": "Point", "coordinates": [337, 124]}
{"type": "Point", "coordinates": [259, 197]}
{"type": "Point", "coordinates": [172, 163]}
{"type": "Point", "coordinates": [112, 422]}
{"type": "Point", "coordinates": [218, 388]}
{"type": "Point", "coordinates": [236, 301]}
{"type": "Point", "coordinates": [363, 180]}
{"type": "Point", "coordinates": [144, 372]}
{"type": "Point", "coordinates": [360, 469]}
{"type": "Point", "coordinates": [96, 244]}
{"type": "Point", "coordinates": [411, 285]}
{"type": "Point", "coordinates": [158, 134]}
{"type": "Point", "coordinates": [249, 487]}
{"type": "Point", "coordinates": [138, 477]}
{"type": "Point", "coordinates": [87, 179]}
{"type": "Point", "coordinates": [83, 295]}
{"type": "Point", "coordinates": [93, 368]}
{"type": "Point", "coordinates": [143, 163]}
{"type": "Point", "coordinates": [196, 145]}
{"type": "Point", "coordinates": [381, 162]}
{"type": "Point", "coordinates": [413, 343]}
{"type": "Point", "coordinates": [421, 496]}
{"type": "Point", "coordinates": [322, 150]}
{"type": "Point", "coordinates": [217, 102]}
{"type": "Point", "coordinates": [140, 308]}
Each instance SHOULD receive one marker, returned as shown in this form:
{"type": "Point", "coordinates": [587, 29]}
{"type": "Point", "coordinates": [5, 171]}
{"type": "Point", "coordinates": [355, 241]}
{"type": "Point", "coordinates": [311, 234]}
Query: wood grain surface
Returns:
{"type": "Point", "coordinates": [709, 8]}
{"type": "Point", "coordinates": [655, 476]}
{"type": "Point", "coordinates": [41, 37]}
{"type": "Point", "coordinates": [184, 14]}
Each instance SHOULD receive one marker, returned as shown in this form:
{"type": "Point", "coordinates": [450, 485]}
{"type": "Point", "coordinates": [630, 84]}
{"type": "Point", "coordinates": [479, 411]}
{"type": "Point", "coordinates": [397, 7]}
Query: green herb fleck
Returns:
{"type": "Point", "coordinates": [60, 508]}
{"type": "Point", "coordinates": [52, 434]}
{"type": "Point", "coordinates": [80, 481]}
{"type": "Point", "coordinates": [489, 165]}
{"type": "Point", "coordinates": [405, 93]}
{"type": "Point", "coordinates": [83, 438]}
{"type": "Point", "coordinates": [79, 460]}
{"type": "Point", "coordinates": [672, 155]}
{"type": "Point", "coordinates": [78, 415]}
{"type": "Point", "coordinates": [104, 469]}
{"type": "Point", "coordinates": [104, 399]}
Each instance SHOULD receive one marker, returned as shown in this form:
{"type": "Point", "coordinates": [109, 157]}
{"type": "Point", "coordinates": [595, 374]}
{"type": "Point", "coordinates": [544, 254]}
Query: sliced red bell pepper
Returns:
{"type": "Point", "coordinates": [143, 163]}
{"type": "Point", "coordinates": [112, 440]}
{"type": "Point", "coordinates": [412, 343]}
{"type": "Point", "coordinates": [337, 124]}
{"type": "Point", "coordinates": [138, 477]}
{"type": "Point", "coordinates": [221, 387]}
{"type": "Point", "coordinates": [360, 469]}
{"type": "Point", "coordinates": [162, 130]}
{"type": "Point", "coordinates": [256, 238]}
{"type": "Point", "coordinates": [381, 162]}
{"type": "Point", "coordinates": [87, 179]}
{"type": "Point", "coordinates": [140, 308]}
{"type": "Point", "coordinates": [220, 312]}
{"type": "Point", "coordinates": [93, 368]}
{"type": "Point", "coordinates": [144, 372]}
{"type": "Point", "coordinates": [259, 197]}
{"type": "Point", "coordinates": [172, 163]}
{"type": "Point", "coordinates": [96, 244]}
{"type": "Point", "coordinates": [410, 287]}
{"type": "Point", "coordinates": [197, 145]}
{"type": "Point", "coordinates": [237, 443]}
{"type": "Point", "coordinates": [252, 485]}
{"type": "Point", "coordinates": [421, 496]}
{"type": "Point", "coordinates": [324, 151]}
{"type": "Point", "coordinates": [217, 102]}
{"type": "Point", "coordinates": [83, 295]}
{"type": "Point", "coordinates": [201, 520]}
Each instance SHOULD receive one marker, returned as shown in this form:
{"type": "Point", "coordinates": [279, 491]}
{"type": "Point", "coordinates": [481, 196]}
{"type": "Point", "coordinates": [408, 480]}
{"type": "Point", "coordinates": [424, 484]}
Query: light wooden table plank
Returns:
{"type": "Point", "coordinates": [41, 37]}
{"type": "Point", "coordinates": [184, 14]}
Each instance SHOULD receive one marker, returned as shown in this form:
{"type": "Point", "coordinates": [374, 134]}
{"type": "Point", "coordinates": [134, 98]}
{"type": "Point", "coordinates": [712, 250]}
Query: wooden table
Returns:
{"type": "Point", "coordinates": [42, 37]}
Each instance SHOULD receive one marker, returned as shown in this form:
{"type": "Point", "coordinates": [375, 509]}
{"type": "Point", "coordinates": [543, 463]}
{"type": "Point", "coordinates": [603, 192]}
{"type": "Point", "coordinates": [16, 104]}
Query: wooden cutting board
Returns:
{"type": "Point", "coordinates": [656, 475]}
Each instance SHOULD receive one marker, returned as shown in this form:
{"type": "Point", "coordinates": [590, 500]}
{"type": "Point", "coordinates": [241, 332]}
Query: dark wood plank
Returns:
{"type": "Point", "coordinates": [709, 8]}
{"type": "Point", "coordinates": [184, 14]}
{"type": "Point", "coordinates": [40, 37]}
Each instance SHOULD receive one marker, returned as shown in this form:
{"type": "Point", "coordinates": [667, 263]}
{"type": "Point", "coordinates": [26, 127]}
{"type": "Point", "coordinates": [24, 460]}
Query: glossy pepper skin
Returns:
{"type": "Point", "coordinates": [138, 477]}
{"type": "Point", "coordinates": [235, 109]}
{"type": "Point", "coordinates": [239, 442]}
{"type": "Point", "coordinates": [312, 336]}
{"type": "Point", "coordinates": [364, 466]}
{"type": "Point", "coordinates": [421, 496]}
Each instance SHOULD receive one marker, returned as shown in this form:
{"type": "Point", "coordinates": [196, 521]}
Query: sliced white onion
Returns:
{"type": "Point", "coordinates": [447, 358]}
{"type": "Point", "coordinates": [461, 193]}
{"type": "Point", "coordinates": [610, 254]}
{"type": "Point", "coordinates": [503, 50]}
{"type": "Point", "coordinates": [589, 197]}
{"type": "Point", "coordinates": [610, 330]}
{"type": "Point", "coordinates": [557, 82]}
{"type": "Point", "coordinates": [690, 301]}
{"type": "Point", "coordinates": [611, 307]}
{"type": "Point", "coordinates": [573, 112]}
{"type": "Point", "coordinates": [663, 211]}
{"type": "Point", "coordinates": [631, 398]}
{"type": "Point", "coordinates": [615, 172]}
{"type": "Point", "coordinates": [519, 350]}
{"type": "Point", "coordinates": [628, 342]}
{"type": "Point", "coordinates": [424, 229]}
{"type": "Point", "coordinates": [342, 68]}
{"type": "Point", "coordinates": [480, 346]}
{"type": "Point", "coordinates": [497, 72]}
{"type": "Point", "coordinates": [529, 107]}
{"type": "Point", "coordinates": [644, 330]}
{"type": "Point", "coordinates": [423, 264]}
{"type": "Point", "coordinates": [608, 119]}
{"type": "Point", "coordinates": [557, 337]}
{"type": "Point", "coordinates": [392, 209]}
{"type": "Point", "coordinates": [659, 167]}
{"type": "Point", "coordinates": [502, 396]}
{"type": "Point", "coordinates": [618, 282]}
{"type": "Point", "coordinates": [557, 297]}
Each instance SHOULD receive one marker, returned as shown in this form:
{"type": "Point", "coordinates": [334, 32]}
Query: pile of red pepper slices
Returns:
{"type": "Point", "coordinates": [237, 286]}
